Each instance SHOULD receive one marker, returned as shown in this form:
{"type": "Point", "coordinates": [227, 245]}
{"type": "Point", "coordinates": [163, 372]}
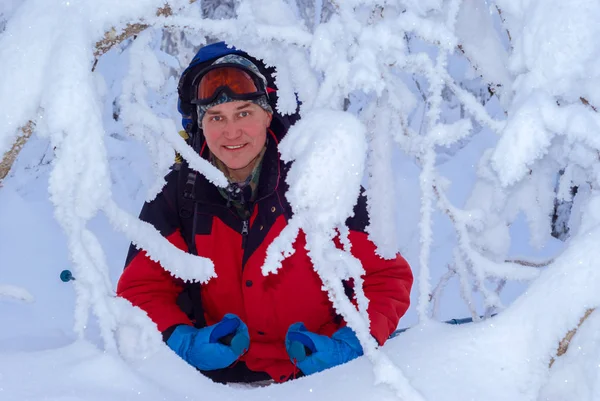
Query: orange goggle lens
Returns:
{"type": "Point", "coordinates": [237, 80]}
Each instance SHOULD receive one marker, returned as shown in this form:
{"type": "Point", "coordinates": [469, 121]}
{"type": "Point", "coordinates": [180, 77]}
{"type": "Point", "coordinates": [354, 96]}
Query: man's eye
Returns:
{"type": "Point", "coordinates": [216, 118]}
{"type": "Point", "coordinates": [244, 113]}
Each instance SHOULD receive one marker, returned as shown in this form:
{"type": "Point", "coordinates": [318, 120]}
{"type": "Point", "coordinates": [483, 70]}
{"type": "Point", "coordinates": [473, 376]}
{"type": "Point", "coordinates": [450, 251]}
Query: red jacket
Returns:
{"type": "Point", "coordinates": [268, 305]}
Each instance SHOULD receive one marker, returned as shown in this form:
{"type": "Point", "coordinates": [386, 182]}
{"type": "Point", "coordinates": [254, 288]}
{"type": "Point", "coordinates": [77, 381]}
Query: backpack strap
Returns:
{"type": "Point", "coordinates": [186, 196]}
{"type": "Point", "coordinates": [190, 299]}
{"type": "Point", "coordinates": [188, 206]}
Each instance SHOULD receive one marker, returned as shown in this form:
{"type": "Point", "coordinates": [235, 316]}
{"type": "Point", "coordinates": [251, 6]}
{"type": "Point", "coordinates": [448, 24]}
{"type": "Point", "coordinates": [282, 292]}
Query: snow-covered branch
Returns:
{"type": "Point", "coordinates": [435, 296]}
{"type": "Point", "coordinates": [319, 145]}
{"type": "Point", "coordinates": [113, 37]}
{"type": "Point", "coordinates": [12, 292]}
{"type": "Point", "coordinates": [512, 269]}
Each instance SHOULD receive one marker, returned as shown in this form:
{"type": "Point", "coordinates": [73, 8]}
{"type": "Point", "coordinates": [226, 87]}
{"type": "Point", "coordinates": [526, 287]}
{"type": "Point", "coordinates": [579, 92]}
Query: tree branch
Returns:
{"type": "Point", "coordinates": [563, 346]}
{"type": "Point", "coordinates": [111, 39]}
{"type": "Point", "coordinates": [528, 263]}
{"type": "Point", "coordinates": [504, 21]}
{"type": "Point", "coordinates": [587, 103]}
{"type": "Point", "coordinates": [439, 288]}
{"type": "Point", "coordinates": [10, 156]}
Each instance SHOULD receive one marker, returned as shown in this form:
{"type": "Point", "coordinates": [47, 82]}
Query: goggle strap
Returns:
{"type": "Point", "coordinates": [257, 80]}
{"type": "Point", "coordinates": [230, 93]}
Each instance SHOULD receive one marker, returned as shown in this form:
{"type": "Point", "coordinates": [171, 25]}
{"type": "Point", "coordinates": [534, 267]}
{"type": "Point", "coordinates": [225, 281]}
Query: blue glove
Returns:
{"type": "Point", "coordinates": [314, 352]}
{"type": "Point", "coordinates": [212, 347]}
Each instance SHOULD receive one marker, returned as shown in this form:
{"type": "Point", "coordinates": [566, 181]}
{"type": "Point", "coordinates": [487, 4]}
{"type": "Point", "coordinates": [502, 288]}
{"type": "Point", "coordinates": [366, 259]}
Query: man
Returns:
{"type": "Point", "coordinates": [242, 326]}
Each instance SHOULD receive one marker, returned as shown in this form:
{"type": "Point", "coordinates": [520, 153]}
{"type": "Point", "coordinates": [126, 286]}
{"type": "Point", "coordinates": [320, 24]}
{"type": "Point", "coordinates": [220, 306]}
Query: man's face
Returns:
{"type": "Point", "coordinates": [236, 133]}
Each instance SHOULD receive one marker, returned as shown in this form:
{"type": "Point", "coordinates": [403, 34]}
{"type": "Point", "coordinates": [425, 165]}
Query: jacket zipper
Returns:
{"type": "Point", "coordinates": [245, 226]}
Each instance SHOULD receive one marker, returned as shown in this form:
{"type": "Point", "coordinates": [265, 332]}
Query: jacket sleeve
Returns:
{"type": "Point", "coordinates": [144, 282]}
{"type": "Point", "coordinates": [387, 283]}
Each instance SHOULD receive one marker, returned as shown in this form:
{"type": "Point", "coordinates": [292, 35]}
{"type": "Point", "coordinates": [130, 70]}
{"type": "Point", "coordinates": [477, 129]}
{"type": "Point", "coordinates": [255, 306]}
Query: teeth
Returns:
{"type": "Point", "coordinates": [234, 147]}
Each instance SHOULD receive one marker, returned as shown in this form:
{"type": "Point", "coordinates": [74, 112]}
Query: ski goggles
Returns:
{"type": "Point", "coordinates": [238, 82]}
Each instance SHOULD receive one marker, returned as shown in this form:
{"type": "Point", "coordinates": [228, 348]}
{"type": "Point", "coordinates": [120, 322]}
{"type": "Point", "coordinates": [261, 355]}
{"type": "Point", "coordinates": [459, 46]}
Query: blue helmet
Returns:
{"type": "Point", "coordinates": [205, 57]}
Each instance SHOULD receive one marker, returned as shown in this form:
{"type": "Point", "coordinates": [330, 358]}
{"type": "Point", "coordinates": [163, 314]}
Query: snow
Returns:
{"type": "Point", "coordinates": [381, 204]}
{"type": "Point", "coordinates": [575, 375]}
{"type": "Point", "coordinates": [322, 196]}
{"type": "Point", "coordinates": [483, 45]}
{"type": "Point", "coordinates": [463, 183]}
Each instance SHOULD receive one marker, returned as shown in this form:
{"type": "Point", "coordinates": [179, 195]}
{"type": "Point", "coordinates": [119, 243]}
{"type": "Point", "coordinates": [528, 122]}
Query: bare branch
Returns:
{"type": "Point", "coordinates": [528, 263]}
{"type": "Point", "coordinates": [503, 21]}
{"type": "Point", "coordinates": [563, 346]}
{"type": "Point", "coordinates": [112, 38]}
{"type": "Point", "coordinates": [587, 103]}
{"type": "Point", "coordinates": [489, 311]}
{"type": "Point", "coordinates": [10, 156]}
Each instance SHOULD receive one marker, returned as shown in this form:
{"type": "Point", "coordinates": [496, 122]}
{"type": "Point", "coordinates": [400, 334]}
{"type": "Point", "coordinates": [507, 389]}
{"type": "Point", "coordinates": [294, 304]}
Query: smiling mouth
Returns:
{"type": "Point", "coordinates": [234, 147]}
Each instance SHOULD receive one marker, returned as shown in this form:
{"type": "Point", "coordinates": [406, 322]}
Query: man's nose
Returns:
{"type": "Point", "coordinates": [232, 130]}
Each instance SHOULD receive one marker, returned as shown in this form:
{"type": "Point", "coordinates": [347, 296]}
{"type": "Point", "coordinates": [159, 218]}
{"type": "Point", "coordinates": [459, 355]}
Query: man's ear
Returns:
{"type": "Point", "coordinates": [270, 116]}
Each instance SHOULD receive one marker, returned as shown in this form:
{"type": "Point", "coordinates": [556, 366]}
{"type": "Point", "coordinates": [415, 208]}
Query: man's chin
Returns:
{"type": "Point", "coordinates": [237, 166]}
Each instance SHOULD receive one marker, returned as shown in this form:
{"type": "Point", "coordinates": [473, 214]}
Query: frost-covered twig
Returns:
{"type": "Point", "coordinates": [529, 263]}
{"type": "Point", "coordinates": [381, 203]}
{"type": "Point", "coordinates": [473, 106]}
{"type": "Point", "coordinates": [436, 294]}
{"type": "Point", "coordinates": [490, 298]}
{"type": "Point", "coordinates": [509, 268]}
{"type": "Point", "coordinates": [425, 226]}
{"type": "Point", "coordinates": [466, 291]}
{"type": "Point", "coordinates": [490, 310]}
{"type": "Point", "coordinates": [428, 155]}
{"type": "Point", "coordinates": [479, 266]}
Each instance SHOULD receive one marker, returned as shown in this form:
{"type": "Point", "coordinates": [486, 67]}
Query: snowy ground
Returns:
{"type": "Point", "coordinates": [489, 361]}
